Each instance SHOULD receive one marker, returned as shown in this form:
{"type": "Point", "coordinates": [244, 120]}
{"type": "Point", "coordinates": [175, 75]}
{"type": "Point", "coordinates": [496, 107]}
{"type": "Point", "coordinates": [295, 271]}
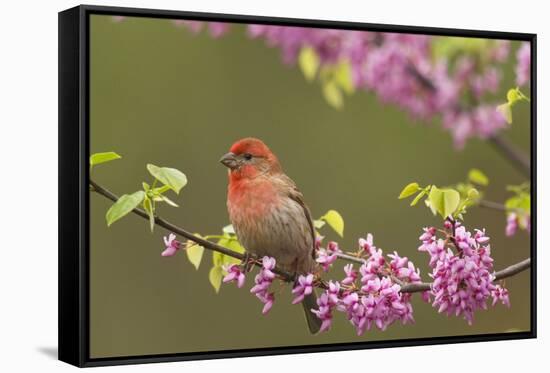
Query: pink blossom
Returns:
{"type": "Point", "coordinates": [480, 237]}
{"type": "Point", "coordinates": [324, 312]}
{"type": "Point", "coordinates": [218, 29]}
{"type": "Point", "coordinates": [234, 273]}
{"type": "Point", "coordinates": [351, 275]}
{"type": "Point", "coordinates": [326, 257]}
{"type": "Point", "coordinates": [304, 286]}
{"type": "Point", "coordinates": [263, 281]}
{"type": "Point", "coordinates": [367, 244]}
{"type": "Point", "coordinates": [193, 26]}
{"type": "Point", "coordinates": [523, 67]}
{"type": "Point", "coordinates": [500, 294]}
{"type": "Point", "coordinates": [267, 299]}
{"type": "Point", "coordinates": [333, 292]}
{"type": "Point", "coordinates": [172, 245]}
{"type": "Point", "coordinates": [428, 235]}
{"type": "Point", "coordinates": [511, 224]}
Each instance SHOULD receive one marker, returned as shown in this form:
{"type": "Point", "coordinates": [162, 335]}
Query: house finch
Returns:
{"type": "Point", "coordinates": [269, 214]}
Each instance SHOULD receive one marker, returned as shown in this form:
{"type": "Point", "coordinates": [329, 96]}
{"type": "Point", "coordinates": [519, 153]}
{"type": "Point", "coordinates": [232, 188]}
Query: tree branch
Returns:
{"type": "Point", "coordinates": [514, 155]}
{"type": "Point", "coordinates": [289, 277]}
{"type": "Point", "coordinates": [510, 271]}
{"type": "Point", "coordinates": [519, 159]}
{"type": "Point", "coordinates": [492, 205]}
{"type": "Point", "coordinates": [182, 232]}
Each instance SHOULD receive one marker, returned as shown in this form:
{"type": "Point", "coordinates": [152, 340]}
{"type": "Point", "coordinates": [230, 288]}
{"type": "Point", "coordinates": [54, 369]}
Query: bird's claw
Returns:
{"type": "Point", "coordinates": [247, 262]}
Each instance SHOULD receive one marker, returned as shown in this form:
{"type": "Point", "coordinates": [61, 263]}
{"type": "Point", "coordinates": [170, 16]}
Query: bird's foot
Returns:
{"type": "Point", "coordinates": [247, 262]}
{"type": "Point", "coordinates": [294, 278]}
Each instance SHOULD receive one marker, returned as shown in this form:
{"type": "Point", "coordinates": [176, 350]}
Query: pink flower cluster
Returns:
{"type": "Point", "coordinates": [263, 281]}
{"type": "Point", "coordinates": [377, 300]}
{"type": "Point", "coordinates": [379, 303]}
{"type": "Point", "coordinates": [401, 70]}
{"type": "Point", "coordinates": [515, 220]}
{"type": "Point", "coordinates": [327, 256]}
{"type": "Point", "coordinates": [462, 280]}
{"type": "Point", "coordinates": [327, 302]}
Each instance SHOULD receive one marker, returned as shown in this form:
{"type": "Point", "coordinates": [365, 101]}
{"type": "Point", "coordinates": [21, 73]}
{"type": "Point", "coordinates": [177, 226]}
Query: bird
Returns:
{"type": "Point", "coordinates": [268, 213]}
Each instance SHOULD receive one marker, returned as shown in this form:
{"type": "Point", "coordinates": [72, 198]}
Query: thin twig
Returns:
{"type": "Point", "coordinates": [514, 155]}
{"type": "Point", "coordinates": [492, 205]}
{"type": "Point", "coordinates": [350, 258]}
{"type": "Point", "coordinates": [406, 288]}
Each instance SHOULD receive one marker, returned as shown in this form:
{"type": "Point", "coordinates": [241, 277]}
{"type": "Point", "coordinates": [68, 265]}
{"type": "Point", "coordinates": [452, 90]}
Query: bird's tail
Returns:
{"type": "Point", "coordinates": [313, 322]}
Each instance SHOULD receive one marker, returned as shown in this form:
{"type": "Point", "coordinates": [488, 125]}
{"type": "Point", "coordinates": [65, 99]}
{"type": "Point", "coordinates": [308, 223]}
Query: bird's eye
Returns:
{"type": "Point", "coordinates": [247, 156]}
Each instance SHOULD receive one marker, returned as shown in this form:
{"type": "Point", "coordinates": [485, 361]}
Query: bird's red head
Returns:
{"type": "Point", "coordinates": [249, 158]}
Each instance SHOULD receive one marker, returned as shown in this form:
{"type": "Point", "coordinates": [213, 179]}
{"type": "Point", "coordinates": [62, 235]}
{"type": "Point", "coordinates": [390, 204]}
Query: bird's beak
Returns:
{"type": "Point", "coordinates": [229, 160]}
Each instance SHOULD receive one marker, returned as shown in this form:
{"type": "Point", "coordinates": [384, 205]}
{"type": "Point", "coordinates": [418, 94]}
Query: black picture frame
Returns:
{"type": "Point", "coordinates": [74, 184]}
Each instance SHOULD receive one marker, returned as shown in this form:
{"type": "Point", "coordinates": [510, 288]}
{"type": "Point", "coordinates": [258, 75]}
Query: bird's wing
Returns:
{"type": "Point", "coordinates": [298, 197]}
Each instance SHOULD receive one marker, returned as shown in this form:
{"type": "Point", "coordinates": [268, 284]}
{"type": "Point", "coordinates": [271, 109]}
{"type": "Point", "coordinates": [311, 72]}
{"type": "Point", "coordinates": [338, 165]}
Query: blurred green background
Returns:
{"type": "Point", "coordinates": [161, 95]}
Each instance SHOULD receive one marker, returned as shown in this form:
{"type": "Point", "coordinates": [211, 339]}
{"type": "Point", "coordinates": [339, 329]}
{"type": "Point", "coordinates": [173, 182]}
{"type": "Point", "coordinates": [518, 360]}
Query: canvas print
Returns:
{"type": "Point", "coordinates": [265, 186]}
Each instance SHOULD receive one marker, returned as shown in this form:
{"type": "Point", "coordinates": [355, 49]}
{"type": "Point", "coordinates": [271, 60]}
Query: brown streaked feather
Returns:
{"type": "Point", "coordinates": [298, 197]}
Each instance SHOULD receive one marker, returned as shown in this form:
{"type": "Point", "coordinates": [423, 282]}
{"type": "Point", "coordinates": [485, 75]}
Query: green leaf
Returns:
{"type": "Point", "coordinates": [98, 158]}
{"type": "Point", "coordinates": [309, 62]}
{"type": "Point", "coordinates": [148, 207]}
{"type": "Point", "coordinates": [513, 96]}
{"type": "Point", "coordinates": [335, 221]}
{"type": "Point", "coordinates": [432, 209]}
{"type": "Point", "coordinates": [194, 252]}
{"type": "Point", "coordinates": [473, 193]}
{"type": "Point", "coordinates": [215, 277]}
{"type": "Point", "coordinates": [419, 197]}
{"type": "Point", "coordinates": [478, 177]}
{"type": "Point", "coordinates": [123, 206]}
{"type": "Point", "coordinates": [168, 201]}
{"type": "Point", "coordinates": [170, 177]}
{"type": "Point", "coordinates": [409, 190]}
{"type": "Point", "coordinates": [217, 257]}
{"type": "Point", "coordinates": [521, 202]}
{"type": "Point", "coordinates": [318, 224]}
{"type": "Point", "coordinates": [343, 77]}
{"type": "Point", "coordinates": [444, 201]}
{"type": "Point", "coordinates": [230, 242]}
{"type": "Point", "coordinates": [229, 229]}
{"type": "Point", "coordinates": [506, 111]}
{"type": "Point", "coordinates": [161, 189]}
{"type": "Point", "coordinates": [333, 95]}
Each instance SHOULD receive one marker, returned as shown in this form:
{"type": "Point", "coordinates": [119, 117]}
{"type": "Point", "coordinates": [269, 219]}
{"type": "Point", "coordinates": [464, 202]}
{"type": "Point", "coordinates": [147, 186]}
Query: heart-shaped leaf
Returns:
{"type": "Point", "coordinates": [335, 221]}
{"type": "Point", "coordinates": [123, 206]}
{"type": "Point", "coordinates": [444, 201]}
{"type": "Point", "coordinates": [175, 179]}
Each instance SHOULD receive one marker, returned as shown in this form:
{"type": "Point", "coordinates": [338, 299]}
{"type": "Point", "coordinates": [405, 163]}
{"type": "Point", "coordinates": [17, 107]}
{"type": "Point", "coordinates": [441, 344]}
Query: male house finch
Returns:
{"type": "Point", "coordinates": [269, 214]}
